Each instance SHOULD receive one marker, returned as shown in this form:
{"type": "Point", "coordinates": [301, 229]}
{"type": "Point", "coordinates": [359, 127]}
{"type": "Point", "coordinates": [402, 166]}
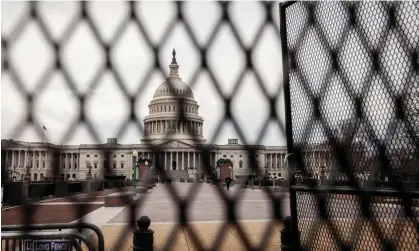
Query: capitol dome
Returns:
{"type": "Point", "coordinates": [173, 87]}
{"type": "Point", "coordinates": [163, 124]}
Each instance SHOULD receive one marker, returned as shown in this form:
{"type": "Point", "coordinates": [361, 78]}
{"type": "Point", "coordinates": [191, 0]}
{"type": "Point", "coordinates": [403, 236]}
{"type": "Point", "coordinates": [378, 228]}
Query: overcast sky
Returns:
{"type": "Point", "coordinates": [56, 106]}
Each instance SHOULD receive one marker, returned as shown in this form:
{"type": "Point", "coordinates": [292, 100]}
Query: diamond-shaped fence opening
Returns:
{"type": "Point", "coordinates": [349, 85]}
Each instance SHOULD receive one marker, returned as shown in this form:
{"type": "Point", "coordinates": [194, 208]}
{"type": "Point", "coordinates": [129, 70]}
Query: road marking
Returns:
{"type": "Point", "coordinates": [189, 222]}
{"type": "Point", "coordinates": [70, 203]}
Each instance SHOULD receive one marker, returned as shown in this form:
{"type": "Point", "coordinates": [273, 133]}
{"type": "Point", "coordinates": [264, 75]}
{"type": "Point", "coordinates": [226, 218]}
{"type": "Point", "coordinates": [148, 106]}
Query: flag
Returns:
{"type": "Point", "coordinates": [43, 127]}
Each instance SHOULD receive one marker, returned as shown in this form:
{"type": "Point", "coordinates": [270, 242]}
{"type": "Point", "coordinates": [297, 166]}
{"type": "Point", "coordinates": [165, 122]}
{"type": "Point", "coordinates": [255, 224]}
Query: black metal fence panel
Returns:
{"type": "Point", "coordinates": [353, 101]}
{"type": "Point", "coordinates": [32, 14]}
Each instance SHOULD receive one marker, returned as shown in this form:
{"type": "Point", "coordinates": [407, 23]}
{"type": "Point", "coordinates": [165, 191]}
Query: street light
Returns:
{"type": "Point", "coordinates": [146, 167]}
{"type": "Point", "coordinates": [134, 166]}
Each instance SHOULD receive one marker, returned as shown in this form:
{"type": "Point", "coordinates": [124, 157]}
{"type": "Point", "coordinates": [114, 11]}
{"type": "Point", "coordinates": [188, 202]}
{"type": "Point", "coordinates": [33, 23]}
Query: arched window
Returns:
{"type": "Point", "coordinates": [240, 164]}
{"type": "Point", "coordinates": [68, 176]}
{"type": "Point", "coordinates": [74, 175]}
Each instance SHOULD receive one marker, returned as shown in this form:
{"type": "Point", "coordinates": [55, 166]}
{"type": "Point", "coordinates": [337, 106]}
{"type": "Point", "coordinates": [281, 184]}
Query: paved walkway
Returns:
{"type": "Point", "coordinates": [206, 213]}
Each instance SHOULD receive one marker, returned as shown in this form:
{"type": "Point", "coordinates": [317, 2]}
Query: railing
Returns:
{"type": "Point", "coordinates": [18, 233]}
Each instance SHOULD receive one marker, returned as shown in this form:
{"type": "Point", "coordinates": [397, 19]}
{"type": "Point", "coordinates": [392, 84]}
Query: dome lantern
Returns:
{"type": "Point", "coordinates": [174, 67]}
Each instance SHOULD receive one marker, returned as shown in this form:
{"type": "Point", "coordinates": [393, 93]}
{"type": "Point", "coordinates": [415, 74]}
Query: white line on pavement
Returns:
{"type": "Point", "coordinates": [70, 203]}
{"type": "Point", "coordinates": [189, 222]}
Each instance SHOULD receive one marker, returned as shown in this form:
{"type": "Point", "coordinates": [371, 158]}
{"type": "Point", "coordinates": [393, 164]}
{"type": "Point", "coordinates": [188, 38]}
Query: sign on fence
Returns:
{"type": "Point", "coordinates": [47, 245]}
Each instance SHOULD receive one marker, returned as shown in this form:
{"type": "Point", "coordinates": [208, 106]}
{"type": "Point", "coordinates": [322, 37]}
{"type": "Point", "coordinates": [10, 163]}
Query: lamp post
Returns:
{"type": "Point", "coordinates": [146, 168]}
{"type": "Point", "coordinates": [231, 172]}
{"type": "Point", "coordinates": [134, 166]}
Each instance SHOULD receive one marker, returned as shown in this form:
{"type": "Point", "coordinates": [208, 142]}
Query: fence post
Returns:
{"type": "Point", "coordinates": [143, 236]}
{"type": "Point", "coordinates": [286, 235]}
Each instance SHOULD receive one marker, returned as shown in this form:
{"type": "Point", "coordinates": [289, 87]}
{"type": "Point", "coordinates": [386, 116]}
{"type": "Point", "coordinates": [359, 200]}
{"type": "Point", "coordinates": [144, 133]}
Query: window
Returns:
{"type": "Point", "coordinates": [224, 155]}
{"type": "Point", "coordinates": [75, 156]}
{"type": "Point", "coordinates": [95, 155]}
{"type": "Point", "coordinates": [95, 165]}
{"type": "Point", "coordinates": [74, 175]}
{"type": "Point", "coordinates": [114, 156]}
{"type": "Point", "coordinates": [37, 164]}
{"type": "Point", "coordinates": [231, 156]}
{"type": "Point", "coordinates": [63, 166]}
{"type": "Point", "coordinates": [43, 164]}
{"type": "Point", "coordinates": [122, 165]}
{"type": "Point", "coordinates": [88, 155]}
{"type": "Point", "coordinates": [75, 165]}
{"type": "Point", "coordinates": [241, 164]}
{"type": "Point", "coordinates": [240, 156]}
{"type": "Point", "coordinates": [170, 108]}
{"type": "Point", "coordinates": [114, 165]}
{"type": "Point", "coordinates": [122, 155]}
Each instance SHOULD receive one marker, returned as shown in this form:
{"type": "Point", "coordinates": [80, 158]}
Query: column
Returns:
{"type": "Point", "coordinates": [66, 161]}
{"type": "Point", "coordinates": [187, 160]}
{"type": "Point", "coordinates": [18, 159]}
{"type": "Point", "coordinates": [177, 161]}
{"type": "Point", "coordinates": [171, 161]}
{"type": "Point", "coordinates": [61, 162]}
{"type": "Point", "coordinates": [26, 158]}
{"type": "Point", "coordinates": [183, 164]}
{"type": "Point", "coordinates": [13, 158]}
{"type": "Point", "coordinates": [194, 159]}
{"type": "Point", "coordinates": [164, 161]}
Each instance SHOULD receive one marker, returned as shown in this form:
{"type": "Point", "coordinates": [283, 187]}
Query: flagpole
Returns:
{"type": "Point", "coordinates": [42, 137]}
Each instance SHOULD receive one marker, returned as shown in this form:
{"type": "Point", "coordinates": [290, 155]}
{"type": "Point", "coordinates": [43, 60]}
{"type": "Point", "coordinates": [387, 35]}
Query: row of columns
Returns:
{"type": "Point", "coordinates": [21, 159]}
{"type": "Point", "coordinates": [160, 109]}
{"type": "Point", "coordinates": [163, 126]}
{"type": "Point", "coordinates": [184, 159]}
{"type": "Point", "coordinates": [275, 159]}
{"type": "Point", "coordinates": [69, 161]}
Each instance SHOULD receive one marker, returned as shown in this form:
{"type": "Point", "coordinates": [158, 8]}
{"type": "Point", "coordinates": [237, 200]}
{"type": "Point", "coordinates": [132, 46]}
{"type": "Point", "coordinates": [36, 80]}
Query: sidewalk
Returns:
{"type": "Point", "coordinates": [206, 232]}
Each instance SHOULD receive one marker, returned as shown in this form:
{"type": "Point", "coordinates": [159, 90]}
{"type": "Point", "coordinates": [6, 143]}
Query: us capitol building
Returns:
{"type": "Point", "coordinates": [178, 142]}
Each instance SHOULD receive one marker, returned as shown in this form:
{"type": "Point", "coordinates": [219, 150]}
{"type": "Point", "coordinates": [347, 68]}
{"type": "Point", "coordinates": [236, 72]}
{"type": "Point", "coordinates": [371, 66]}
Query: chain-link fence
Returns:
{"type": "Point", "coordinates": [34, 15]}
{"type": "Point", "coordinates": [350, 86]}
{"type": "Point", "coordinates": [353, 82]}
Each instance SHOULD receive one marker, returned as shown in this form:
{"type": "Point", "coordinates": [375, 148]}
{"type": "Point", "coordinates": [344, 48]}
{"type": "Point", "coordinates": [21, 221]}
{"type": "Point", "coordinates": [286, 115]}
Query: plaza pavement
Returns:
{"type": "Point", "coordinates": [206, 213]}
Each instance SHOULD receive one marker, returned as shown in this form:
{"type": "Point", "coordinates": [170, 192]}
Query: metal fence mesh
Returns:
{"type": "Point", "coordinates": [353, 80]}
{"type": "Point", "coordinates": [106, 46]}
{"type": "Point", "coordinates": [352, 99]}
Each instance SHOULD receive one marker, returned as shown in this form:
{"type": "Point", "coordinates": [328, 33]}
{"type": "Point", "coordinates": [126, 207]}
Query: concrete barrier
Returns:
{"type": "Point", "coordinates": [61, 189]}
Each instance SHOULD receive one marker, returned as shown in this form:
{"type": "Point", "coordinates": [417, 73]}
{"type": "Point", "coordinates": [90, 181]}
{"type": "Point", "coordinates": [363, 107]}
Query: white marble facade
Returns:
{"type": "Point", "coordinates": [179, 143]}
